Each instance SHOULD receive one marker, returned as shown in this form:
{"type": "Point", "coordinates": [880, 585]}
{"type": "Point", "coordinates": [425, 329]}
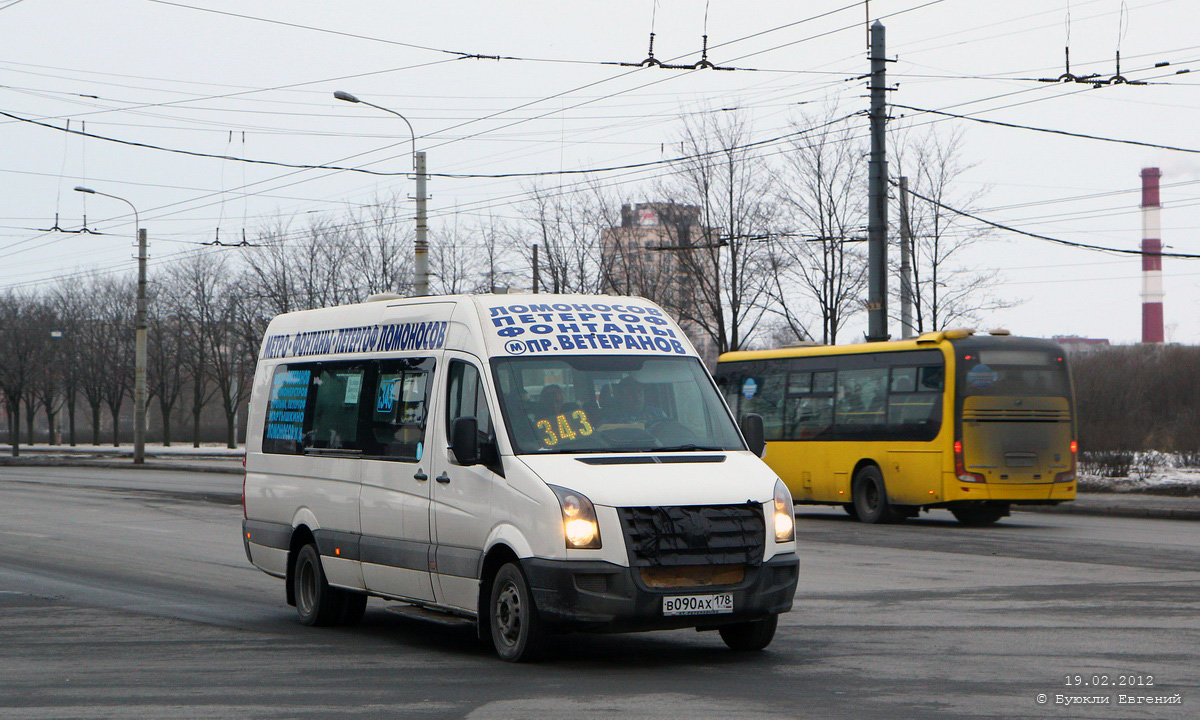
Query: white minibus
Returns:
{"type": "Point", "coordinates": [532, 463]}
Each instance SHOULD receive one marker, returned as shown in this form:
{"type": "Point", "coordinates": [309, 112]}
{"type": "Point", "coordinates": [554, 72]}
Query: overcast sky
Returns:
{"type": "Point", "coordinates": [256, 80]}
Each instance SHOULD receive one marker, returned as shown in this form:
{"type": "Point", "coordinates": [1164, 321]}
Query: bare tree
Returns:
{"type": "Point", "coordinates": [165, 375]}
{"type": "Point", "coordinates": [455, 260]}
{"type": "Point", "coordinates": [306, 269]}
{"type": "Point", "coordinates": [1138, 398]}
{"type": "Point", "coordinates": [945, 291]}
{"type": "Point", "coordinates": [272, 276]}
{"type": "Point", "coordinates": [467, 256]}
{"type": "Point", "coordinates": [377, 246]}
{"type": "Point", "coordinates": [113, 343]}
{"type": "Point", "coordinates": [195, 286]}
{"type": "Point", "coordinates": [24, 344]}
{"type": "Point", "coordinates": [235, 333]}
{"type": "Point", "coordinates": [94, 370]}
{"type": "Point", "coordinates": [723, 288]}
{"type": "Point", "coordinates": [821, 189]}
{"type": "Point", "coordinates": [48, 381]}
{"type": "Point", "coordinates": [71, 311]}
{"type": "Point", "coordinates": [494, 258]}
{"type": "Point", "coordinates": [567, 227]}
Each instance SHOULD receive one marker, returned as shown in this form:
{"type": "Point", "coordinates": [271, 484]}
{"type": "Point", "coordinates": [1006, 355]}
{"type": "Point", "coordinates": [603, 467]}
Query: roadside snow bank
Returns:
{"type": "Point", "coordinates": [1142, 472]}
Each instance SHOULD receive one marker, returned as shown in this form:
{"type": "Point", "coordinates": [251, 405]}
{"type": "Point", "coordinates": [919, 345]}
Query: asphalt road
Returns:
{"type": "Point", "coordinates": [127, 595]}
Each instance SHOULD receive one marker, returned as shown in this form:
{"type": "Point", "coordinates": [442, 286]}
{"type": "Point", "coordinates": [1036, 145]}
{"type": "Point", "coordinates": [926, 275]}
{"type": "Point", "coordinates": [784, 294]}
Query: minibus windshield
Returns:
{"type": "Point", "coordinates": [610, 403]}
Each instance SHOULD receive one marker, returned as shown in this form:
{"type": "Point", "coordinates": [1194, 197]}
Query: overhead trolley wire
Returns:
{"type": "Point", "coordinates": [299, 166]}
{"type": "Point", "coordinates": [327, 31]}
{"type": "Point", "coordinates": [1047, 238]}
{"type": "Point", "coordinates": [1068, 133]}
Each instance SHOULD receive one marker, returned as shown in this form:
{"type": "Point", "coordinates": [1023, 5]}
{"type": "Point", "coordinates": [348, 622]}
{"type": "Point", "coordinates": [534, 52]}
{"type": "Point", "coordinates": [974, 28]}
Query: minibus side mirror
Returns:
{"type": "Point", "coordinates": [752, 429]}
{"type": "Point", "coordinates": [464, 440]}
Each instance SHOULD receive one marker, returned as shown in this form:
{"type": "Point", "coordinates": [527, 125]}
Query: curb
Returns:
{"type": "Point", "coordinates": [1095, 507]}
{"type": "Point", "coordinates": [1157, 513]}
{"type": "Point", "coordinates": [124, 464]}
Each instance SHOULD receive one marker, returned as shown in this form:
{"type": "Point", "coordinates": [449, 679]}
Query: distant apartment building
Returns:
{"type": "Point", "coordinates": [641, 258]}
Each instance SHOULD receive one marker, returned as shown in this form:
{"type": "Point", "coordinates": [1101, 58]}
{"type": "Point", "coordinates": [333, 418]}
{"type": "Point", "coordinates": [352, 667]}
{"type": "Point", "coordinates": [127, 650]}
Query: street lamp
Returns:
{"type": "Point", "coordinates": [139, 355]}
{"type": "Point", "coordinates": [421, 246]}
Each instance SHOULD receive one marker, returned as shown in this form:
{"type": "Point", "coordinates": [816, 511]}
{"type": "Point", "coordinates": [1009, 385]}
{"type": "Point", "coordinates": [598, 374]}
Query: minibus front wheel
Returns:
{"type": "Point", "coordinates": [518, 633]}
{"type": "Point", "coordinates": [750, 636]}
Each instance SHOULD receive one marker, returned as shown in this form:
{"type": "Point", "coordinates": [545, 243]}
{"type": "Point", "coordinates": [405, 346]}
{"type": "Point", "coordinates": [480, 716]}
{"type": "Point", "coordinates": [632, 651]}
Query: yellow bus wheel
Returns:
{"type": "Point", "coordinates": [979, 514]}
{"type": "Point", "coordinates": [870, 497]}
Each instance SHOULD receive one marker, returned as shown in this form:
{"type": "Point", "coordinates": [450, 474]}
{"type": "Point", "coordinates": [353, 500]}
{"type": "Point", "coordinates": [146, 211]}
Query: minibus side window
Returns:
{"type": "Point", "coordinates": [466, 398]}
{"type": "Point", "coordinates": [399, 409]}
{"type": "Point", "coordinates": [283, 431]}
{"type": "Point", "coordinates": [338, 390]}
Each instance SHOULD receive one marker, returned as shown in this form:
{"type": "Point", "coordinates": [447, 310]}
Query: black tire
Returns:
{"type": "Point", "coordinates": [518, 634]}
{"type": "Point", "coordinates": [356, 606]}
{"type": "Point", "coordinates": [851, 510]}
{"type": "Point", "coordinates": [316, 602]}
{"type": "Point", "coordinates": [870, 497]}
{"type": "Point", "coordinates": [750, 636]}
{"type": "Point", "coordinates": [978, 515]}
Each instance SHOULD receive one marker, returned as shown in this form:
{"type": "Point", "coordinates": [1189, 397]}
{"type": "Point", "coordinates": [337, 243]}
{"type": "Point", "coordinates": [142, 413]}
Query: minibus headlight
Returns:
{"type": "Point", "coordinates": [785, 514]}
{"type": "Point", "coordinates": [580, 528]}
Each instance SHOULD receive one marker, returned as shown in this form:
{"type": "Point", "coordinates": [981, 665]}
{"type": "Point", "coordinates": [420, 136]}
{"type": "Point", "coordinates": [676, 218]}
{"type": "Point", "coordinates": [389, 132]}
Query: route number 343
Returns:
{"type": "Point", "coordinates": [566, 426]}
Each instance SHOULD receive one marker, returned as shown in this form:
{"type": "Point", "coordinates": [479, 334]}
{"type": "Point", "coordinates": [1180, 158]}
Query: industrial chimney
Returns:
{"type": "Point", "coordinates": [1152, 284]}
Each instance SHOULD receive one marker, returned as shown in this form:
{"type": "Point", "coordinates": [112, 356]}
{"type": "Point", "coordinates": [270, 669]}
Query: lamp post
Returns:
{"type": "Point", "coordinates": [139, 355]}
{"type": "Point", "coordinates": [421, 245]}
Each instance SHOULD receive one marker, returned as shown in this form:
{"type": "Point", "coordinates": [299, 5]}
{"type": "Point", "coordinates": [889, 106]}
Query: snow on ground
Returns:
{"type": "Point", "coordinates": [1150, 472]}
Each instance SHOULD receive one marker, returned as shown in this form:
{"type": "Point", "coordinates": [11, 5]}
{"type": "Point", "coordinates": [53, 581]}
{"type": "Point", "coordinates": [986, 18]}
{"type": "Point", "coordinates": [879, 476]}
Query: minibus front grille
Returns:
{"type": "Point", "coordinates": [694, 535]}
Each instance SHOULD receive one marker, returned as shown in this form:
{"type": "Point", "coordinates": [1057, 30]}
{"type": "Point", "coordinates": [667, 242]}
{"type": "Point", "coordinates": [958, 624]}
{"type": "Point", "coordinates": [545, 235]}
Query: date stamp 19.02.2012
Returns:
{"type": "Point", "coordinates": [1105, 689]}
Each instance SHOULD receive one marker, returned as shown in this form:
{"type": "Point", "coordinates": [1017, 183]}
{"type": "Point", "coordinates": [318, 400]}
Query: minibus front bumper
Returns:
{"type": "Point", "coordinates": [601, 596]}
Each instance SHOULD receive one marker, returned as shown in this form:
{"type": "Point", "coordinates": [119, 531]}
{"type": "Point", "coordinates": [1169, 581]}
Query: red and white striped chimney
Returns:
{"type": "Point", "coordinates": [1152, 284]}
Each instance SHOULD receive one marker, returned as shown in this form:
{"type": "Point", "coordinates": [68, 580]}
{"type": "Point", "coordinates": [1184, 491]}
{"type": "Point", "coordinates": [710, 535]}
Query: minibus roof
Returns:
{"type": "Point", "coordinates": [507, 325]}
{"type": "Point", "coordinates": [521, 325]}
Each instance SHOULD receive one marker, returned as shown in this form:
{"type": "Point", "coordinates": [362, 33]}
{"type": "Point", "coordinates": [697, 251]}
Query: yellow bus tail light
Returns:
{"type": "Point", "coordinates": [1069, 476]}
{"type": "Point", "coordinates": [960, 468]}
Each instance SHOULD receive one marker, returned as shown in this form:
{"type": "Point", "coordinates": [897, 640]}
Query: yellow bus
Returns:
{"type": "Point", "coordinates": [971, 423]}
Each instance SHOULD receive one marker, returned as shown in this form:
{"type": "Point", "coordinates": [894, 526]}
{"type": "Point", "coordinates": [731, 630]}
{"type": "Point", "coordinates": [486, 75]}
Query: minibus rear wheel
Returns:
{"type": "Point", "coordinates": [749, 636]}
{"type": "Point", "coordinates": [316, 602]}
{"type": "Point", "coordinates": [517, 632]}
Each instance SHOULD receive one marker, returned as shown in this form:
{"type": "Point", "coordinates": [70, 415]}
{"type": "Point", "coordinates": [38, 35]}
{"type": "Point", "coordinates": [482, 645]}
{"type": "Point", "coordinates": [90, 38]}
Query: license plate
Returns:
{"type": "Point", "coordinates": [698, 604]}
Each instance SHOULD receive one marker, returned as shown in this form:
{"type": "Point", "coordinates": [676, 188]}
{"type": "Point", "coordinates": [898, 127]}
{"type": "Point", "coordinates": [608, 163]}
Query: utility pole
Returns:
{"type": "Point", "coordinates": [877, 193]}
{"type": "Point", "coordinates": [536, 280]}
{"type": "Point", "coordinates": [139, 358]}
{"type": "Point", "coordinates": [906, 288]}
{"type": "Point", "coordinates": [139, 336]}
{"type": "Point", "coordinates": [421, 247]}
